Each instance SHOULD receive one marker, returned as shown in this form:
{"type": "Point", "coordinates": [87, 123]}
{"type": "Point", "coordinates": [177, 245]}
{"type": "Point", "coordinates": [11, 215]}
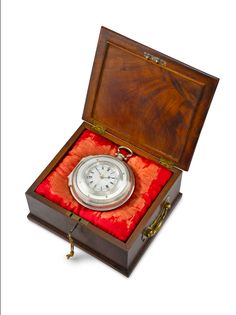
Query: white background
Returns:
{"type": "Point", "coordinates": [48, 48]}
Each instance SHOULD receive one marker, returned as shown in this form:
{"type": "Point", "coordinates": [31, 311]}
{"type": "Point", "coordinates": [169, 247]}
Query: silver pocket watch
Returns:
{"type": "Point", "coordinates": [102, 182]}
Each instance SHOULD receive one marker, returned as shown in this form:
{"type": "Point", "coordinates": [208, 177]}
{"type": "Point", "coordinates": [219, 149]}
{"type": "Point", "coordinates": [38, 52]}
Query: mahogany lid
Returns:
{"type": "Point", "coordinates": [148, 99]}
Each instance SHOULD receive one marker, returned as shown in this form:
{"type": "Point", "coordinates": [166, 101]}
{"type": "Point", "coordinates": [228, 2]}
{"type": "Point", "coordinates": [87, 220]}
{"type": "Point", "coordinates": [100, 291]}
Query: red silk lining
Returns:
{"type": "Point", "coordinates": [150, 178]}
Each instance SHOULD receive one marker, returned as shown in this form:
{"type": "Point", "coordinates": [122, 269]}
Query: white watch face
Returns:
{"type": "Point", "coordinates": [101, 182]}
{"type": "Point", "coordinates": [102, 177]}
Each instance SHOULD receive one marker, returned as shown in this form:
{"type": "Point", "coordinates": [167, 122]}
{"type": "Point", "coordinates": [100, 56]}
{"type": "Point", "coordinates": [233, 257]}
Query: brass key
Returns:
{"type": "Point", "coordinates": [69, 235]}
{"type": "Point", "coordinates": [71, 254]}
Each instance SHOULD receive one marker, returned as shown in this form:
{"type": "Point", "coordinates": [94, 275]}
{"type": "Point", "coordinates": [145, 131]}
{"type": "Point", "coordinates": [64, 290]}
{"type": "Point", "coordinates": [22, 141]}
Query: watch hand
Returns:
{"type": "Point", "coordinates": [98, 172]}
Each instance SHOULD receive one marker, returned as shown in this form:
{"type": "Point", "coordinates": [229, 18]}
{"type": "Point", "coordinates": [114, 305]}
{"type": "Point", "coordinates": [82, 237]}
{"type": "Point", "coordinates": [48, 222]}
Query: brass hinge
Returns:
{"type": "Point", "coordinates": [98, 129]}
{"type": "Point", "coordinates": [166, 163]}
{"type": "Point", "coordinates": [154, 59]}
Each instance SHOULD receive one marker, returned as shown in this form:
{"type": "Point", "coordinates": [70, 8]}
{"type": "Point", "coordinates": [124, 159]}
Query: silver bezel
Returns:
{"type": "Point", "coordinates": [101, 201]}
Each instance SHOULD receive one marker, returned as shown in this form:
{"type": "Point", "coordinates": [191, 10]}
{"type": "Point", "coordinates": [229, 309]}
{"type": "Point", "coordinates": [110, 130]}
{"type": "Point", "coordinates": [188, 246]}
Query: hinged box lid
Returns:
{"type": "Point", "coordinates": [147, 98]}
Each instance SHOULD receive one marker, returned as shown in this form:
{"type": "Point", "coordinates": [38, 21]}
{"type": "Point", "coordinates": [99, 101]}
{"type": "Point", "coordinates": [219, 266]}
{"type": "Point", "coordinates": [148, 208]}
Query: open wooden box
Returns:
{"type": "Point", "coordinates": [155, 105]}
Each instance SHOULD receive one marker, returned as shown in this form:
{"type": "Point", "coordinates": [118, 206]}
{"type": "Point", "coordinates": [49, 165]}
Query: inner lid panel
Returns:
{"type": "Point", "coordinates": [146, 102]}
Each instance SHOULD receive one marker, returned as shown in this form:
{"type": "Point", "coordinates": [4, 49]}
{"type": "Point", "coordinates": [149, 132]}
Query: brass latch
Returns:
{"type": "Point", "coordinates": [154, 59]}
{"type": "Point", "coordinates": [152, 230]}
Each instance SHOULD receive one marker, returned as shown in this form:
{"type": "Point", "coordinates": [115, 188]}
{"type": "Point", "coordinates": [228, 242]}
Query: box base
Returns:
{"type": "Point", "coordinates": [94, 253]}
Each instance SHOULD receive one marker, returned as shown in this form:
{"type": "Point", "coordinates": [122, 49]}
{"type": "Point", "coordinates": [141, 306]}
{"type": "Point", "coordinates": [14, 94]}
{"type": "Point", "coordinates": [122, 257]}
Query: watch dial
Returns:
{"type": "Point", "coordinates": [101, 182]}
{"type": "Point", "coordinates": [102, 178]}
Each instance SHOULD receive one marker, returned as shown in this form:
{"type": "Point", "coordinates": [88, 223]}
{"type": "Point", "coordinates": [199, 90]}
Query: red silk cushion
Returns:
{"type": "Point", "coordinates": [149, 180]}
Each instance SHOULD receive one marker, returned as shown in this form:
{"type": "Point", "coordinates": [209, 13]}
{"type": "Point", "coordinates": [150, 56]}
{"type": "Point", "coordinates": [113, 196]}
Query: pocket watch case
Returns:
{"type": "Point", "coordinates": [154, 105]}
{"type": "Point", "coordinates": [103, 182]}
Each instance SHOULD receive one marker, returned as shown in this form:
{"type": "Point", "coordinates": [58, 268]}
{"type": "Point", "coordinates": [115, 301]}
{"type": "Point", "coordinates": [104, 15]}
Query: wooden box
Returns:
{"type": "Point", "coordinates": [155, 105]}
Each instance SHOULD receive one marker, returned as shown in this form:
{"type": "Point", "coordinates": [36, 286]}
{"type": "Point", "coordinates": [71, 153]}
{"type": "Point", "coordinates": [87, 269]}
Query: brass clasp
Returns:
{"type": "Point", "coordinates": [152, 230]}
